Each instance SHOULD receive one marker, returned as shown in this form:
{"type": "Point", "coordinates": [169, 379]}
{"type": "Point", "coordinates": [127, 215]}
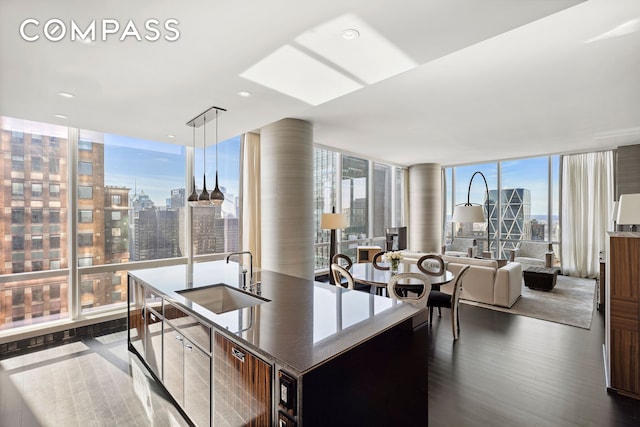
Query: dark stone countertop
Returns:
{"type": "Point", "coordinates": [304, 324]}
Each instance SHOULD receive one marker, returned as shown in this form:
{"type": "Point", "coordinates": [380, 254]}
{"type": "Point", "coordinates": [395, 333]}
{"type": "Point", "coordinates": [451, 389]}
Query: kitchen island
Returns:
{"type": "Point", "coordinates": [292, 352]}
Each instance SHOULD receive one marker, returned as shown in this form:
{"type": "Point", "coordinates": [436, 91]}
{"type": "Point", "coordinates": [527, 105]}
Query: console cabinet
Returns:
{"type": "Point", "coordinates": [622, 313]}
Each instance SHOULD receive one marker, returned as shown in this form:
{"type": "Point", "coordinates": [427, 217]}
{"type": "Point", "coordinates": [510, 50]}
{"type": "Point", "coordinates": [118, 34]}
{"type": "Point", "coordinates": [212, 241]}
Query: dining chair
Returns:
{"type": "Point", "coordinates": [441, 299]}
{"type": "Point", "coordinates": [342, 277]}
{"type": "Point", "coordinates": [431, 264]}
{"type": "Point", "coordinates": [337, 258]}
{"type": "Point", "coordinates": [375, 259]}
{"type": "Point", "coordinates": [420, 300]}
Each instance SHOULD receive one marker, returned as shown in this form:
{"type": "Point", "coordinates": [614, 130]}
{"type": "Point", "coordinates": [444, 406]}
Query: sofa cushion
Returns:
{"type": "Point", "coordinates": [484, 262]}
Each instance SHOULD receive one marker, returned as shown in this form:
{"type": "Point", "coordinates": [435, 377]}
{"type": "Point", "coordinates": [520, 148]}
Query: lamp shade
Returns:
{"type": "Point", "coordinates": [629, 209]}
{"type": "Point", "coordinates": [333, 221]}
{"type": "Point", "coordinates": [468, 213]}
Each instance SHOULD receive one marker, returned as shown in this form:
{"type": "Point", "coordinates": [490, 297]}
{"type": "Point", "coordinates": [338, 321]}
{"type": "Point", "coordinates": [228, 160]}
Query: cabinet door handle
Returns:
{"type": "Point", "coordinates": [237, 354]}
{"type": "Point", "coordinates": [188, 346]}
{"type": "Point", "coordinates": [153, 317]}
{"type": "Point", "coordinates": [178, 337]}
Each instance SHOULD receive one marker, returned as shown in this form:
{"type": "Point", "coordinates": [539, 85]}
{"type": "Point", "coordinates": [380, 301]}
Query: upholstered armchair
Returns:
{"type": "Point", "coordinates": [460, 247]}
{"type": "Point", "coordinates": [539, 254]}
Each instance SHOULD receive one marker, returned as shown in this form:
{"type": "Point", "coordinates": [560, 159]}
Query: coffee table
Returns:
{"type": "Point", "coordinates": [541, 278]}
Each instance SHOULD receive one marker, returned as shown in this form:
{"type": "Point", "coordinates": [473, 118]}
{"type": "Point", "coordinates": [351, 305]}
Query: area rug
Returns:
{"type": "Point", "coordinates": [571, 302]}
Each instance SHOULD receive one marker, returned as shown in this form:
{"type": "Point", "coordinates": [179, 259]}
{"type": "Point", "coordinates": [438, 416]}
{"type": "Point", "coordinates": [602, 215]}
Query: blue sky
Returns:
{"type": "Point", "coordinates": [156, 168]}
{"type": "Point", "coordinates": [531, 174]}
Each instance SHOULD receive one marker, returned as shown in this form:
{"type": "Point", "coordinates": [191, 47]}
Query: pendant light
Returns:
{"type": "Point", "coordinates": [216, 195]}
{"type": "Point", "coordinates": [203, 200]}
{"type": "Point", "coordinates": [193, 197]}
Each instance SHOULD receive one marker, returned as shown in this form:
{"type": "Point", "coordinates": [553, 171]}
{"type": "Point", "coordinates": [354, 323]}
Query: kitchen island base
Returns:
{"type": "Point", "coordinates": [380, 382]}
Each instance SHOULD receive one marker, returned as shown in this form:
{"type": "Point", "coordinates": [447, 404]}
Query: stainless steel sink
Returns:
{"type": "Point", "coordinates": [221, 298]}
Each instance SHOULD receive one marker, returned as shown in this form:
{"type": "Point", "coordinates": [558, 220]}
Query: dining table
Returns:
{"type": "Point", "coordinates": [367, 274]}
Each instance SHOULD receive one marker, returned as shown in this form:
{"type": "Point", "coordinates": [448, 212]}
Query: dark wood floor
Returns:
{"type": "Point", "coordinates": [505, 370]}
{"type": "Point", "coordinates": [510, 370]}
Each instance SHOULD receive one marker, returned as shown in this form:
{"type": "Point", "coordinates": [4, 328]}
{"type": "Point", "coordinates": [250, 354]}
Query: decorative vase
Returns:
{"type": "Point", "coordinates": [394, 266]}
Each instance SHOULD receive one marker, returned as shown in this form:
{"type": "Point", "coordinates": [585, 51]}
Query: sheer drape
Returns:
{"type": "Point", "coordinates": [250, 182]}
{"type": "Point", "coordinates": [587, 198]}
{"type": "Point", "coordinates": [405, 200]}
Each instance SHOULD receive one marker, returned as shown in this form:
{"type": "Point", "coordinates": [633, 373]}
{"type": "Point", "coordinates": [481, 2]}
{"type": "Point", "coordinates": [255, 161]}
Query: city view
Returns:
{"type": "Point", "coordinates": [126, 210]}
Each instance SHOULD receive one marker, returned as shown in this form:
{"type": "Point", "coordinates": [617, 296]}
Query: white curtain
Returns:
{"type": "Point", "coordinates": [587, 199]}
{"type": "Point", "coordinates": [250, 207]}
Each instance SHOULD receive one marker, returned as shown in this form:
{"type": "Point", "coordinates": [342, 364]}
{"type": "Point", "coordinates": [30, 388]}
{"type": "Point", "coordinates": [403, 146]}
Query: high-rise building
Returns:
{"type": "Point", "coordinates": [33, 168]}
{"type": "Point", "coordinates": [516, 215]}
{"type": "Point", "coordinates": [537, 230]}
{"type": "Point", "coordinates": [116, 224]}
{"type": "Point", "coordinates": [178, 198]}
{"type": "Point", "coordinates": [91, 203]}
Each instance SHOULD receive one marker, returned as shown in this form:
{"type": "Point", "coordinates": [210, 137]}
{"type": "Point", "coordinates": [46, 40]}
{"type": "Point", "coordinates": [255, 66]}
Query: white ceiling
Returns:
{"type": "Point", "coordinates": [446, 81]}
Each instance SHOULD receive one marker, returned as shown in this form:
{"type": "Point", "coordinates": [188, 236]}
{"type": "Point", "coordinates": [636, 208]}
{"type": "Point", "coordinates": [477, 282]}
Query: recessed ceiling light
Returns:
{"type": "Point", "coordinates": [66, 94]}
{"type": "Point", "coordinates": [350, 34]}
{"type": "Point", "coordinates": [171, 136]}
{"type": "Point", "coordinates": [244, 93]}
{"type": "Point", "coordinates": [61, 116]}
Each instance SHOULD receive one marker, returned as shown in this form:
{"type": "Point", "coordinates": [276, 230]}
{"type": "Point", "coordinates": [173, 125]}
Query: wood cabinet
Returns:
{"type": "Point", "coordinates": [187, 363]}
{"type": "Point", "coordinates": [242, 386]}
{"type": "Point", "coordinates": [623, 313]}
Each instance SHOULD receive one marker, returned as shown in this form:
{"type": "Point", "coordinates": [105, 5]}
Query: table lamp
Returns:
{"type": "Point", "coordinates": [629, 210]}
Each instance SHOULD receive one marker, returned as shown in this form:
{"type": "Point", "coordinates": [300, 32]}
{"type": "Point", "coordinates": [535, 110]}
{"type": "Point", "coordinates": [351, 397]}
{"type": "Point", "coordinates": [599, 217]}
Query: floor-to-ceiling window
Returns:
{"type": "Point", "coordinates": [130, 205]}
{"type": "Point", "coordinates": [34, 257]}
{"type": "Point", "coordinates": [324, 200]}
{"type": "Point", "coordinates": [525, 208]}
{"type": "Point", "coordinates": [355, 203]}
{"type": "Point", "coordinates": [370, 194]}
{"type": "Point", "coordinates": [382, 209]}
{"type": "Point", "coordinates": [476, 193]}
{"type": "Point", "coordinates": [216, 228]}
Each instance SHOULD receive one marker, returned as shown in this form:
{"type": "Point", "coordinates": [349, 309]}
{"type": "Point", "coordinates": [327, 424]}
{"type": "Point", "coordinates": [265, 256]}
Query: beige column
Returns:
{"type": "Point", "coordinates": [425, 207]}
{"type": "Point", "coordinates": [286, 173]}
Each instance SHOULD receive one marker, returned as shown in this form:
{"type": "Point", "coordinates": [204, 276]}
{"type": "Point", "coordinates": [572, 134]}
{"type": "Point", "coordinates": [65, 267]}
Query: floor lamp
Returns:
{"type": "Point", "coordinates": [332, 221]}
{"type": "Point", "coordinates": [473, 213]}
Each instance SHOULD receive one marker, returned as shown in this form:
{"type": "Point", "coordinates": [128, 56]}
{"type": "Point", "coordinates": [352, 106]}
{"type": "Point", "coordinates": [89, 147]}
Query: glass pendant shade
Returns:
{"type": "Point", "coordinates": [193, 197]}
{"type": "Point", "coordinates": [216, 195]}
{"type": "Point", "coordinates": [204, 198]}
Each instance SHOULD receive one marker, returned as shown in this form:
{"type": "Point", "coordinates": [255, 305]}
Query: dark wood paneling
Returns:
{"type": "Point", "coordinates": [242, 388]}
{"type": "Point", "coordinates": [625, 260]}
{"type": "Point", "coordinates": [625, 370]}
{"type": "Point", "coordinates": [624, 315]}
{"type": "Point", "coordinates": [381, 382]}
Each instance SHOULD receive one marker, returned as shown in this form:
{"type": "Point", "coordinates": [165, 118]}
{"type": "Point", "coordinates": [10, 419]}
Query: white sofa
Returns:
{"type": "Point", "coordinates": [485, 282]}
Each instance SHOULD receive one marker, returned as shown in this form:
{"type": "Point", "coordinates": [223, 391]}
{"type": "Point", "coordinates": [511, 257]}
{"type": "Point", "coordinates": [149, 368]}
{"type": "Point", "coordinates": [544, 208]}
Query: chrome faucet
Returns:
{"type": "Point", "coordinates": [250, 264]}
